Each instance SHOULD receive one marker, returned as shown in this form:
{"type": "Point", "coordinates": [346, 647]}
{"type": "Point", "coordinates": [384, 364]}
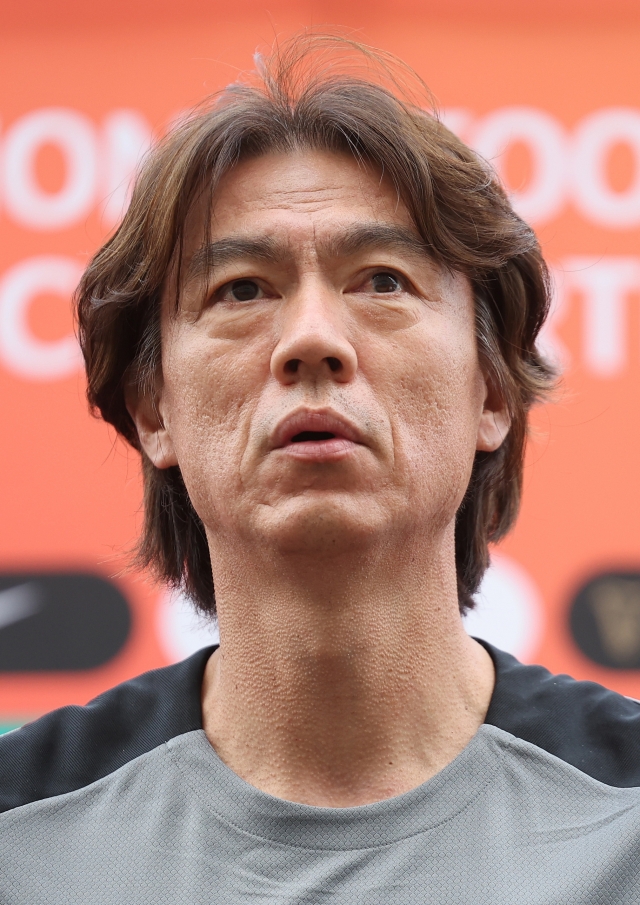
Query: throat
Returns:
{"type": "Point", "coordinates": [335, 738]}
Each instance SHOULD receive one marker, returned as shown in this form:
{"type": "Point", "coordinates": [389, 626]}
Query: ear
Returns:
{"type": "Point", "coordinates": [494, 421]}
{"type": "Point", "coordinates": [146, 413]}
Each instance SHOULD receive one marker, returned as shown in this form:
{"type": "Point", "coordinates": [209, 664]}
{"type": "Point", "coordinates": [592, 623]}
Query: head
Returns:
{"type": "Point", "coordinates": [317, 323]}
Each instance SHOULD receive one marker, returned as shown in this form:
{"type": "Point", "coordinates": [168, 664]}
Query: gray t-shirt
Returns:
{"type": "Point", "coordinates": [506, 823]}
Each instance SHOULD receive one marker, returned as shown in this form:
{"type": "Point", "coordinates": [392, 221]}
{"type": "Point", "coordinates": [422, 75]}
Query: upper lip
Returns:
{"type": "Point", "coordinates": [319, 420]}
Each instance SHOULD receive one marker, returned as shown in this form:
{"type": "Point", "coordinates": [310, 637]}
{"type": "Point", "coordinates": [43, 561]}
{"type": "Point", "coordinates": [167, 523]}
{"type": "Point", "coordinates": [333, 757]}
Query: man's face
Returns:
{"type": "Point", "coordinates": [324, 391]}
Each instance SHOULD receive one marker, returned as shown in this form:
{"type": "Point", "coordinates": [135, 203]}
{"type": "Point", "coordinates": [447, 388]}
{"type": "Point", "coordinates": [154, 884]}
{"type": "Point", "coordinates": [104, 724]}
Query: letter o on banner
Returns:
{"type": "Point", "coordinates": [594, 138]}
{"type": "Point", "coordinates": [22, 353]}
{"type": "Point", "coordinates": [545, 138]}
{"type": "Point", "coordinates": [26, 201]}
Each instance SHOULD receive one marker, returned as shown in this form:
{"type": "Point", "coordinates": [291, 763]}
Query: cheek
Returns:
{"type": "Point", "coordinates": [210, 393]}
{"type": "Point", "coordinates": [435, 404]}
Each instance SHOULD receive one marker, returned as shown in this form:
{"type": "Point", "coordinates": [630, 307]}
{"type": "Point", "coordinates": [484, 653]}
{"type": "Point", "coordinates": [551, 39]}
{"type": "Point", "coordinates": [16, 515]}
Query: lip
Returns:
{"type": "Point", "coordinates": [345, 435]}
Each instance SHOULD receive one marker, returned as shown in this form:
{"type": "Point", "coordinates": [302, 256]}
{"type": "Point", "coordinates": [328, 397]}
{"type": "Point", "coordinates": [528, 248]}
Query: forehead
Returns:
{"type": "Point", "coordinates": [303, 193]}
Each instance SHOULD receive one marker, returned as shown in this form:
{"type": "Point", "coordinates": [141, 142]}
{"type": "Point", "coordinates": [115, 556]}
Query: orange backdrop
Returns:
{"type": "Point", "coordinates": [552, 97]}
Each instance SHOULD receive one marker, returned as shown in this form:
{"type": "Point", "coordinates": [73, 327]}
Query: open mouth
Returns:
{"type": "Point", "coordinates": [315, 436]}
{"type": "Point", "coordinates": [312, 436]}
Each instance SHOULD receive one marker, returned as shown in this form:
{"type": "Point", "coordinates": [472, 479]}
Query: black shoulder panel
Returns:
{"type": "Point", "coordinates": [74, 746]}
{"type": "Point", "coordinates": [584, 724]}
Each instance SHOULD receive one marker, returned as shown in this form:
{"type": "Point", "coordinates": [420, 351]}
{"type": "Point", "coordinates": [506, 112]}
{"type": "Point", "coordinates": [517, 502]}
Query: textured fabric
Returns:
{"type": "Point", "coordinates": [504, 823]}
{"type": "Point", "coordinates": [582, 723]}
{"type": "Point", "coordinates": [125, 801]}
{"type": "Point", "coordinates": [72, 747]}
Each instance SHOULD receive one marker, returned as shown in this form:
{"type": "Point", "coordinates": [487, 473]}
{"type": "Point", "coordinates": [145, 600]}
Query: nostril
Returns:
{"type": "Point", "coordinates": [292, 366]}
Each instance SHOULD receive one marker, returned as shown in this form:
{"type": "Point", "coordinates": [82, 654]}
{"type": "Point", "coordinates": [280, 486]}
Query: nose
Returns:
{"type": "Point", "coordinates": [313, 342]}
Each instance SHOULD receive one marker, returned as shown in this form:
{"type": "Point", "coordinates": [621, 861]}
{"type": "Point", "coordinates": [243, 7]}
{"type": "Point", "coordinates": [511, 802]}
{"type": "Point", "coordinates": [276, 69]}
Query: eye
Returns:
{"type": "Point", "coordinates": [243, 290]}
{"type": "Point", "coordinates": [385, 282]}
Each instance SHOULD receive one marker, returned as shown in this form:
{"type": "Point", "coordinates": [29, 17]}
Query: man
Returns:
{"type": "Point", "coordinates": [317, 323]}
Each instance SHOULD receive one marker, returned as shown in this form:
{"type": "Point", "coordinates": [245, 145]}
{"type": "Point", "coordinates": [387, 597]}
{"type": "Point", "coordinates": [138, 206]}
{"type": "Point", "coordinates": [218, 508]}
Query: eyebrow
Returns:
{"type": "Point", "coordinates": [374, 235]}
{"type": "Point", "coordinates": [351, 241]}
{"type": "Point", "coordinates": [226, 251]}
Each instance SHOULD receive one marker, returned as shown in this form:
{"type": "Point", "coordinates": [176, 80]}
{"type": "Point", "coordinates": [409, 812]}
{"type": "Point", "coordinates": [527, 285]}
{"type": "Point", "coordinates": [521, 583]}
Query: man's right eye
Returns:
{"type": "Point", "coordinates": [244, 290]}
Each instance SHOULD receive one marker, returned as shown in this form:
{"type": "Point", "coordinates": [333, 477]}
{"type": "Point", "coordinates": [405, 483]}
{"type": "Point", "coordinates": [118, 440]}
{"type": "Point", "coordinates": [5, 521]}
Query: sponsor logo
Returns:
{"type": "Point", "coordinates": [60, 622]}
{"type": "Point", "coordinates": [605, 619]}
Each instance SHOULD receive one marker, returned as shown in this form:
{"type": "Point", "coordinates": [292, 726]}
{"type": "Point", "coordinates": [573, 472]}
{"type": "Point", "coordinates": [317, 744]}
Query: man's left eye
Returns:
{"type": "Point", "coordinates": [385, 282]}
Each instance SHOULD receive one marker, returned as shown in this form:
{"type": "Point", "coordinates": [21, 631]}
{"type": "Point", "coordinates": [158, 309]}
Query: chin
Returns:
{"type": "Point", "coordinates": [326, 527]}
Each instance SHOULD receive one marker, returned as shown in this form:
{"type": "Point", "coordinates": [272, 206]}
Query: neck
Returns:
{"type": "Point", "coordinates": [345, 682]}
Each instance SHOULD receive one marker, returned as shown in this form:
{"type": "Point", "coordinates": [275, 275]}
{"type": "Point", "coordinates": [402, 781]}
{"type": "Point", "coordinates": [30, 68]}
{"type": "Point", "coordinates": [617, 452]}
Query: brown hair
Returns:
{"type": "Point", "coordinates": [459, 208]}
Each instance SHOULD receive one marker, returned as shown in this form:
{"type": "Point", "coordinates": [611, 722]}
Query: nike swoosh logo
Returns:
{"type": "Point", "coordinates": [19, 602]}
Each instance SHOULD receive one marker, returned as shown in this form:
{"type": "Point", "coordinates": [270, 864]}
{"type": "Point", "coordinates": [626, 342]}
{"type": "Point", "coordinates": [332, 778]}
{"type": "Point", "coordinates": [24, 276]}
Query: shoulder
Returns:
{"type": "Point", "coordinates": [73, 747]}
{"type": "Point", "coordinates": [593, 729]}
